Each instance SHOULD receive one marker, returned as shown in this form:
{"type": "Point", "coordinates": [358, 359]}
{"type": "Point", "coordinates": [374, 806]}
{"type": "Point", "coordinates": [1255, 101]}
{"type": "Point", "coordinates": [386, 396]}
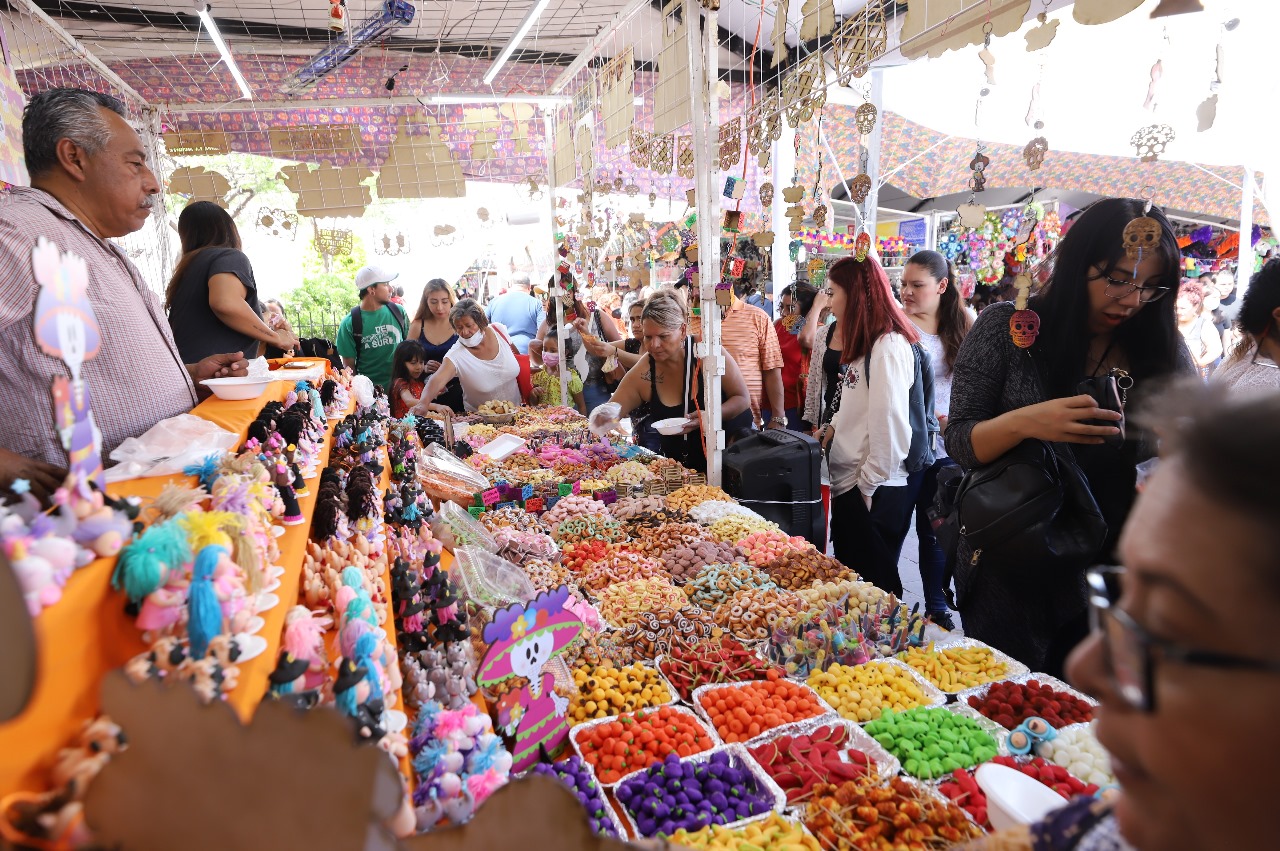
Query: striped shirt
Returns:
{"type": "Point", "coordinates": [748, 335]}
{"type": "Point", "coordinates": [137, 377]}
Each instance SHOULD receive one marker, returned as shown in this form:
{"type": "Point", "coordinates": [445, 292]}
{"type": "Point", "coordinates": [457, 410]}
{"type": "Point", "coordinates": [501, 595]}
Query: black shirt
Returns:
{"type": "Point", "coordinates": [196, 328]}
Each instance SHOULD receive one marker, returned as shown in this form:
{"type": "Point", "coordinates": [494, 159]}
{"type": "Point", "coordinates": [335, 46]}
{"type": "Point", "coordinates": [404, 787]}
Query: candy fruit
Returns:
{"type": "Point", "coordinates": [798, 763]}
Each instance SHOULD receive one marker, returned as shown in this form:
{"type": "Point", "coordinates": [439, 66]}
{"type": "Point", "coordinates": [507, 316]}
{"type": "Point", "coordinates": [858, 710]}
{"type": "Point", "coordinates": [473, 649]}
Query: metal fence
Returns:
{"type": "Point", "coordinates": [316, 323]}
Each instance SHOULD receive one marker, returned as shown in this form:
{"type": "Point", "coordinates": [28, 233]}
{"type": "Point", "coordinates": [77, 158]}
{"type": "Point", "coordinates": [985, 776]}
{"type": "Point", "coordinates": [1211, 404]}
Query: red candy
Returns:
{"type": "Point", "coordinates": [963, 790]}
{"type": "Point", "coordinates": [798, 763]}
{"type": "Point", "coordinates": [1009, 704]}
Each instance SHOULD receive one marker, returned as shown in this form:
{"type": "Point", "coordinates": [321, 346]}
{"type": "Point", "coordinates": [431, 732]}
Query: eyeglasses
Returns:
{"type": "Point", "coordinates": [1122, 289]}
{"type": "Point", "coordinates": [828, 291]}
{"type": "Point", "coordinates": [1131, 652]}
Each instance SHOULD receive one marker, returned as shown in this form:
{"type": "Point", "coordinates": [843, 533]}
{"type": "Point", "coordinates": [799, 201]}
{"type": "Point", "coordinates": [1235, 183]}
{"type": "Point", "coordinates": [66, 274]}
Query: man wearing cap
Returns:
{"type": "Point", "coordinates": [369, 334]}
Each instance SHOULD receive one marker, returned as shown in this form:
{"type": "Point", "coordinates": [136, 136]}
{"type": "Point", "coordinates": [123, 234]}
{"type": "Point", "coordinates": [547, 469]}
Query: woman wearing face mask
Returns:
{"type": "Point", "coordinates": [932, 302]}
{"type": "Point", "coordinates": [1101, 313]}
{"type": "Point", "coordinates": [432, 330]}
{"type": "Point", "coordinates": [669, 380]}
{"type": "Point", "coordinates": [795, 304]}
{"type": "Point", "coordinates": [483, 360]}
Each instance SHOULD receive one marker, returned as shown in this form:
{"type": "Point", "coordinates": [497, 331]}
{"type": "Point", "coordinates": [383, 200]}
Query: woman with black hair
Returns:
{"type": "Point", "coordinates": [1254, 365]}
{"type": "Point", "coordinates": [1100, 313]}
{"type": "Point", "coordinates": [794, 304]}
{"type": "Point", "coordinates": [931, 300]}
{"type": "Point", "coordinates": [212, 298]}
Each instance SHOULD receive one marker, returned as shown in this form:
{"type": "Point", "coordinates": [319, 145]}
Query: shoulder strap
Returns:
{"type": "Point", "coordinates": [402, 319]}
{"type": "Point", "coordinates": [357, 332]}
{"type": "Point", "coordinates": [831, 332]}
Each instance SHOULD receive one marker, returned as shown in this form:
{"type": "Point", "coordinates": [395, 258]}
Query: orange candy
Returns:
{"type": "Point", "coordinates": [742, 713]}
{"type": "Point", "coordinates": [637, 740]}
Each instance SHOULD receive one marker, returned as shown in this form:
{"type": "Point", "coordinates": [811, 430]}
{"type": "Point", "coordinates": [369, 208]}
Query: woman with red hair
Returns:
{"type": "Point", "coordinates": [870, 433]}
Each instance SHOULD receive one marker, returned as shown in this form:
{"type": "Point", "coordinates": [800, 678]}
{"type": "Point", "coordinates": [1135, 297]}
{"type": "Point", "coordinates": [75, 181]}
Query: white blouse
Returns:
{"type": "Point", "coordinates": [486, 380]}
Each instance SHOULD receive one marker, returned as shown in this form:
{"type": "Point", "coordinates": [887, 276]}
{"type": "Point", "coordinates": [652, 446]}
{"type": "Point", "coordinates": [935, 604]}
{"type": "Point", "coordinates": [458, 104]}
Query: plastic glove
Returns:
{"type": "Point", "coordinates": [605, 419]}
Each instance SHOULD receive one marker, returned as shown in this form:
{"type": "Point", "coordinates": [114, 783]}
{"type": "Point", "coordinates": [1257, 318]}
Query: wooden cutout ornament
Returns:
{"type": "Point", "coordinates": [1141, 237]}
{"type": "Point", "coordinates": [935, 27]}
{"type": "Point", "coordinates": [972, 215]}
{"type": "Point", "coordinates": [1176, 7]}
{"type": "Point", "coordinates": [1206, 113]}
{"type": "Point", "coordinates": [735, 188]}
{"type": "Point", "coordinates": [1034, 153]}
{"type": "Point", "coordinates": [67, 329]}
{"type": "Point", "coordinates": [779, 37]}
{"type": "Point", "coordinates": [766, 194]}
{"type": "Point", "coordinates": [820, 216]}
{"type": "Point", "coordinates": [864, 118]}
{"type": "Point", "coordinates": [1153, 88]}
{"type": "Point", "coordinates": [684, 157]}
{"type": "Point", "coordinates": [764, 126]}
{"type": "Point", "coordinates": [1038, 38]}
{"type": "Point", "coordinates": [819, 19]}
{"type": "Point", "coordinates": [276, 222]}
{"type": "Point", "coordinates": [861, 39]}
{"type": "Point", "coordinates": [1150, 141]}
{"type": "Point", "coordinates": [763, 239]}
{"type": "Point", "coordinates": [860, 188]}
{"type": "Point", "coordinates": [420, 166]}
{"type": "Point", "coordinates": [334, 242]}
{"type": "Point", "coordinates": [329, 192]}
{"type": "Point", "coordinates": [1094, 12]}
{"type": "Point", "coordinates": [978, 165]}
{"type": "Point", "coordinates": [199, 184]}
{"type": "Point", "coordinates": [730, 143]}
{"type": "Point", "coordinates": [662, 154]}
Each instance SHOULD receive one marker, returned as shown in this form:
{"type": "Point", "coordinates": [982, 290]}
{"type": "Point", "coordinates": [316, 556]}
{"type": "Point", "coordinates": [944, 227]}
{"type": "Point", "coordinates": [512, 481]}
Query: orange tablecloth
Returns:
{"type": "Point", "coordinates": [87, 633]}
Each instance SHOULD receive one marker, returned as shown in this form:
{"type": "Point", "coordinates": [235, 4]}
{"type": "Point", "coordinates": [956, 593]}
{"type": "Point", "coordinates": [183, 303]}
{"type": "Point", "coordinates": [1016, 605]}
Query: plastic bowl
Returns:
{"type": "Point", "coordinates": [237, 389]}
{"type": "Point", "coordinates": [1013, 798]}
{"type": "Point", "coordinates": [675, 425]}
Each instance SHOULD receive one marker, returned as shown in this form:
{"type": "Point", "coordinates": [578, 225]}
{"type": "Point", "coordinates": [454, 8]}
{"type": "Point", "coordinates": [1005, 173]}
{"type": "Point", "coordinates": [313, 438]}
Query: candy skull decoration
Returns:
{"type": "Point", "coordinates": [862, 246]}
{"type": "Point", "coordinates": [1024, 326]}
{"type": "Point", "coordinates": [865, 118]}
{"type": "Point", "coordinates": [860, 188]}
{"type": "Point", "coordinates": [1141, 236]}
{"type": "Point", "coordinates": [1034, 152]}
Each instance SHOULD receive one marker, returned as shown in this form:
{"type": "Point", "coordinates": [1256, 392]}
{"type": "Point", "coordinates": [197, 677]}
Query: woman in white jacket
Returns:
{"type": "Point", "coordinates": [870, 433]}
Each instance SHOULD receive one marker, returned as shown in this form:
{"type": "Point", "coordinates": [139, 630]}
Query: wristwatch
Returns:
{"type": "Point", "coordinates": [782, 423]}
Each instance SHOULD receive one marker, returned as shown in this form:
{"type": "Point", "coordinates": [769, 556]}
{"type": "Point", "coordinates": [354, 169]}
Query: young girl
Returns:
{"type": "Point", "coordinates": [546, 383]}
{"type": "Point", "coordinates": [406, 377]}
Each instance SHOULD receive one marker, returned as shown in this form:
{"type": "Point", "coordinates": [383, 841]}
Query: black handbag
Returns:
{"type": "Point", "coordinates": [1029, 509]}
{"type": "Point", "coordinates": [1110, 392]}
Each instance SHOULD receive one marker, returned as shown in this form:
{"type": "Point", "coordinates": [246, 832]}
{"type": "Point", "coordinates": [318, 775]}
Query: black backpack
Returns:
{"type": "Point", "coordinates": [924, 419]}
{"type": "Point", "coordinates": [357, 326]}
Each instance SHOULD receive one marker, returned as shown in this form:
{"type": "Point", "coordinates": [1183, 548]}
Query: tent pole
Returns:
{"type": "Point", "coordinates": [549, 147]}
{"type": "Point", "coordinates": [783, 160]}
{"type": "Point", "coordinates": [1245, 270]}
{"type": "Point", "coordinates": [702, 80]}
{"type": "Point", "coordinates": [873, 153]}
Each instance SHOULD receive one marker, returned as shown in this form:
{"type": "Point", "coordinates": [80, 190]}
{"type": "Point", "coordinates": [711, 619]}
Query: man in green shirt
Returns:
{"type": "Point", "coordinates": [368, 336]}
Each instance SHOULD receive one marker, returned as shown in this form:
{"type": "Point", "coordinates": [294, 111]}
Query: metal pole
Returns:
{"type": "Point", "coordinates": [549, 133]}
{"type": "Point", "coordinates": [702, 78]}
{"type": "Point", "coordinates": [1245, 270]}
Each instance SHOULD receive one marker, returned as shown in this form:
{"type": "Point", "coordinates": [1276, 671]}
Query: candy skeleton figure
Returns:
{"type": "Point", "coordinates": [522, 638]}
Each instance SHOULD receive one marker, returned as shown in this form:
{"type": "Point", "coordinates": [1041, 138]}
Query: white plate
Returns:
{"type": "Point", "coordinates": [237, 389]}
{"type": "Point", "coordinates": [255, 624]}
{"type": "Point", "coordinates": [674, 425]}
{"type": "Point", "coordinates": [251, 646]}
{"type": "Point", "coordinates": [266, 602]}
{"type": "Point", "coordinates": [271, 585]}
{"type": "Point", "coordinates": [394, 720]}
{"type": "Point", "coordinates": [275, 571]}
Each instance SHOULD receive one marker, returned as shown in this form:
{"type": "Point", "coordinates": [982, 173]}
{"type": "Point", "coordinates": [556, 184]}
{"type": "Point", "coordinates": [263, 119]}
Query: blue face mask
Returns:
{"type": "Point", "coordinates": [831, 319]}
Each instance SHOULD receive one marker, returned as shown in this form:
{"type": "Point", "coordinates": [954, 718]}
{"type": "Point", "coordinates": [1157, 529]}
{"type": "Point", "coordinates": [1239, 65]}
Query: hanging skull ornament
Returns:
{"type": "Point", "coordinates": [1141, 237]}
{"type": "Point", "coordinates": [862, 246]}
{"type": "Point", "coordinates": [766, 193]}
{"type": "Point", "coordinates": [1151, 141]}
{"type": "Point", "coordinates": [860, 188]}
{"type": "Point", "coordinates": [820, 216]}
{"type": "Point", "coordinates": [864, 118]}
{"type": "Point", "coordinates": [1033, 153]}
{"type": "Point", "coordinates": [1024, 326]}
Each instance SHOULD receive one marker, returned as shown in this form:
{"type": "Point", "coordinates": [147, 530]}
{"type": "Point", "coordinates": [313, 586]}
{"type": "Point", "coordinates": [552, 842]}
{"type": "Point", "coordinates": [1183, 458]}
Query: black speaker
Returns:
{"type": "Point", "coordinates": [778, 474]}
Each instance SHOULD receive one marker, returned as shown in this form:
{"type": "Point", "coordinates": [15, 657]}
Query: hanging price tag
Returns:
{"type": "Point", "coordinates": [534, 505]}
{"type": "Point", "coordinates": [491, 497]}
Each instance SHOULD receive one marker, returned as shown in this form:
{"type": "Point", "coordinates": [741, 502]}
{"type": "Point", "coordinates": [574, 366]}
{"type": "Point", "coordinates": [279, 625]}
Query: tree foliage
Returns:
{"type": "Point", "coordinates": [331, 290]}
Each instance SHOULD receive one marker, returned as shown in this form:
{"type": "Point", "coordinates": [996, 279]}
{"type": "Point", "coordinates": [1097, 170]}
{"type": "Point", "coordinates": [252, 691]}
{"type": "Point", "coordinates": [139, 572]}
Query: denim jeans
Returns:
{"type": "Point", "coordinates": [921, 487]}
{"type": "Point", "coordinates": [594, 394]}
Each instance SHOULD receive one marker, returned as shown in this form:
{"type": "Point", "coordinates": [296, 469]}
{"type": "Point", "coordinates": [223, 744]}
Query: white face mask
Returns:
{"type": "Point", "coordinates": [474, 340]}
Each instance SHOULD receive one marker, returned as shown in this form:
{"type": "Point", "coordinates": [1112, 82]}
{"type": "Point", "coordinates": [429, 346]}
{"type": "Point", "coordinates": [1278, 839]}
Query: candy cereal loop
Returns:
{"type": "Point", "coordinates": [690, 495]}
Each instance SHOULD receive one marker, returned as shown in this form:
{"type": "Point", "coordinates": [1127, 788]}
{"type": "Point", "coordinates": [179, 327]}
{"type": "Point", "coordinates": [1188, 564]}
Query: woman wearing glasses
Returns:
{"type": "Point", "coordinates": [1099, 311]}
{"type": "Point", "coordinates": [826, 364]}
{"type": "Point", "coordinates": [1189, 619]}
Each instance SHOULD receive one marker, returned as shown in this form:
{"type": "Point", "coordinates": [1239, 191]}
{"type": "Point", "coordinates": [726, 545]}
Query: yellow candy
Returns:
{"type": "Point", "coordinates": [861, 692]}
{"type": "Point", "coordinates": [954, 669]}
{"type": "Point", "coordinates": [772, 834]}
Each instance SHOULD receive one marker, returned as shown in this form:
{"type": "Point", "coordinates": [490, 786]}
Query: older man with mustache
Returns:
{"type": "Point", "coordinates": [90, 181]}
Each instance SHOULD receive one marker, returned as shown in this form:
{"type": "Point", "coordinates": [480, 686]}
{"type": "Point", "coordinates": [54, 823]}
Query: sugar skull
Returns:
{"type": "Point", "coordinates": [1150, 141]}
{"type": "Point", "coordinates": [860, 188]}
{"type": "Point", "coordinates": [862, 246]}
{"type": "Point", "coordinates": [1024, 326]}
{"type": "Point", "coordinates": [1034, 152]}
{"type": "Point", "coordinates": [1141, 236]}
{"type": "Point", "coordinates": [865, 118]}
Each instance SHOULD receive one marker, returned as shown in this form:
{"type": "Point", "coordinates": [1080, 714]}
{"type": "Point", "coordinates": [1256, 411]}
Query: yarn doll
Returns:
{"type": "Point", "coordinates": [204, 611]}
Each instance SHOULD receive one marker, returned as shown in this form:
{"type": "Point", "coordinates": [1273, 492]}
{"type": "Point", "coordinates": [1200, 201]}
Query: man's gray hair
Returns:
{"type": "Point", "coordinates": [58, 114]}
{"type": "Point", "coordinates": [468, 307]}
{"type": "Point", "coordinates": [521, 280]}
